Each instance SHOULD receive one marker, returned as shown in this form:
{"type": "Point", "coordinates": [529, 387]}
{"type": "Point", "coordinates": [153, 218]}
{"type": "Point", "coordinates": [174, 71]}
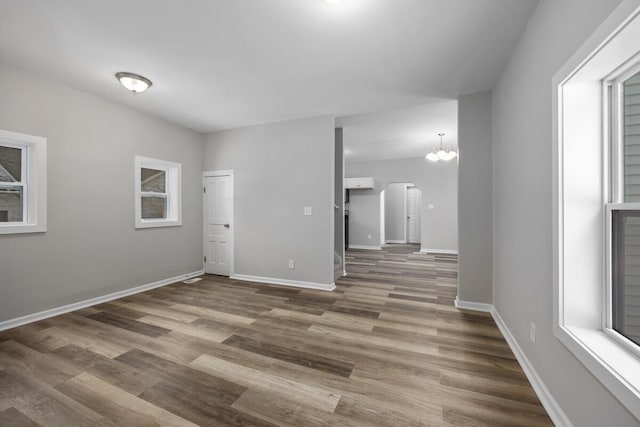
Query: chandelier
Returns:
{"type": "Point", "coordinates": [444, 154]}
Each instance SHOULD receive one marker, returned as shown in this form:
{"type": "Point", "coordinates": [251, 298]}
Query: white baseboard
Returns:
{"type": "Point", "coordinates": [554, 410]}
{"type": "Point", "coordinates": [439, 251]}
{"type": "Point", "coordinates": [396, 241]}
{"type": "Point", "coordinates": [30, 318]}
{"type": "Point", "coordinates": [552, 407]}
{"type": "Point", "coordinates": [475, 306]}
{"type": "Point", "coordinates": [370, 248]}
{"type": "Point", "coordinates": [284, 282]}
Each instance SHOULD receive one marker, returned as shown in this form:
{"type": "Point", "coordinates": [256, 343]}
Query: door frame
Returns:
{"type": "Point", "coordinates": [211, 174]}
{"type": "Point", "coordinates": [404, 240]}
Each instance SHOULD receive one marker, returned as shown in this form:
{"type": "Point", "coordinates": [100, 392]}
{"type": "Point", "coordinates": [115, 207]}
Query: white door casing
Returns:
{"type": "Point", "coordinates": [414, 198]}
{"type": "Point", "coordinates": [218, 222]}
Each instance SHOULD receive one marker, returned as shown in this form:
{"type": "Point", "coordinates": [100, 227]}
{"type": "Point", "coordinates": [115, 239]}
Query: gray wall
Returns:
{"type": "Point", "coordinates": [338, 236]}
{"type": "Point", "coordinates": [475, 248]}
{"type": "Point", "coordinates": [522, 204]}
{"type": "Point", "coordinates": [439, 185]}
{"type": "Point", "coordinates": [394, 211]}
{"type": "Point", "coordinates": [91, 247]}
{"type": "Point", "coordinates": [279, 169]}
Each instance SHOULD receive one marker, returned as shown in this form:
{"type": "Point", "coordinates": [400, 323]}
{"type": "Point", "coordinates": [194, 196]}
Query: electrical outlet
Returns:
{"type": "Point", "coordinates": [292, 264]}
{"type": "Point", "coordinates": [369, 236]}
{"type": "Point", "coordinates": [532, 332]}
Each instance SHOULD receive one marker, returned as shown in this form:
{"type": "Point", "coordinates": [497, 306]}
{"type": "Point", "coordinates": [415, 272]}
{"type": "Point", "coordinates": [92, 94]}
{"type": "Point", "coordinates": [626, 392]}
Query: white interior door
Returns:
{"type": "Point", "coordinates": [414, 198]}
{"type": "Point", "coordinates": [218, 208]}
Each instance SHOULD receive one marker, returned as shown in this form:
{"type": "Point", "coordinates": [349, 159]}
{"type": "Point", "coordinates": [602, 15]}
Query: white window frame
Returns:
{"type": "Point", "coordinates": [173, 173]}
{"type": "Point", "coordinates": [613, 87]}
{"type": "Point", "coordinates": [582, 192]}
{"type": "Point", "coordinates": [33, 182]}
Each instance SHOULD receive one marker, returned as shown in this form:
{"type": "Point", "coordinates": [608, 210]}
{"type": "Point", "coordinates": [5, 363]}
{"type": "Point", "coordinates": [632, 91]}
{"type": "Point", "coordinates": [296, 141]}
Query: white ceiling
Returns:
{"type": "Point", "coordinates": [402, 133]}
{"type": "Point", "coordinates": [218, 64]}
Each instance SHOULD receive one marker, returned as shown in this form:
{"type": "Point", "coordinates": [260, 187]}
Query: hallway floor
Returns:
{"type": "Point", "coordinates": [387, 348]}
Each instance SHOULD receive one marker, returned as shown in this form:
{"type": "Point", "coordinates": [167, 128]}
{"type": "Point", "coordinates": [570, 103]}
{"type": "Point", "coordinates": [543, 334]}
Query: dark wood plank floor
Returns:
{"type": "Point", "coordinates": [387, 348]}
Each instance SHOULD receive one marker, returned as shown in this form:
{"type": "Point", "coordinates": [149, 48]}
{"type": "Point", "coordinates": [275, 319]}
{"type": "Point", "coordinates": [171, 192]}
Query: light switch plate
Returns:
{"type": "Point", "coordinates": [308, 210]}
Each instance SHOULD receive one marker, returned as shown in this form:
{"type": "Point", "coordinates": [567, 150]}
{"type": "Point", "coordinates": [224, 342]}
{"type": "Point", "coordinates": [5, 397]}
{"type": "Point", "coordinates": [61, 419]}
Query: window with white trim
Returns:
{"type": "Point", "coordinates": [623, 210]}
{"type": "Point", "coordinates": [596, 204]}
{"type": "Point", "coordinates": [158, 187]}
{"type": "Point", "coordinates": [23, 190]}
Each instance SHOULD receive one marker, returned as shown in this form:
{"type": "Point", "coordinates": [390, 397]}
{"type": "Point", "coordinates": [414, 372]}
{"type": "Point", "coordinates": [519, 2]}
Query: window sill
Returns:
{"type": "Point", "coordinates": [615, 367]}
{"type": "Point", "coordinates": [155, 224]}
{"type": "Point", "coordinates": [22, 228]}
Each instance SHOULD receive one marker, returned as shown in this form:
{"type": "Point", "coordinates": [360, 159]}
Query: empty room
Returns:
{"type": "Point", "coordinates": [320, 212]}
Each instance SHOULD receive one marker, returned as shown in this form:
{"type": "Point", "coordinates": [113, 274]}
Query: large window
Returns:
{"type": "Point", "coordinates": [158, 193]}
{"type": "Point", "coordinates": [623, 209]}
{"type": "Point", "coordinates": [22, 183]}
{"type": "Point", "coordinates": [596, 205]}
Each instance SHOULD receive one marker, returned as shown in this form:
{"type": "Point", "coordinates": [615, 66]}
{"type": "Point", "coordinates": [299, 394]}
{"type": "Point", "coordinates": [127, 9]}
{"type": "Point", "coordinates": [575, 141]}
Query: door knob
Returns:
{"type": "Point", "coordinates": [226, 226]}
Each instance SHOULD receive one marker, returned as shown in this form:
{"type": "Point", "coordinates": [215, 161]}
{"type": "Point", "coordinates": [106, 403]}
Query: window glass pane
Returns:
{"type": "Point", "coordinates": [154, 207]}
{"type": "Point", "coordinates": [631, 135]}
{"type": "Point", "coordinates": [626, 274]}
{"type": "Point", "coordinates": [153, 180]}
{"type": "Point", "coordinates": [10, 164]}
{"type": "Point", "coordinates": [11, 204]}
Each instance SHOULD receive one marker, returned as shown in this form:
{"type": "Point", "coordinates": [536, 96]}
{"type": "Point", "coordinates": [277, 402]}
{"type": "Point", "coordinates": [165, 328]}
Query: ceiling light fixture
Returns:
{"type": "Point", "coordinates": [334, 1]}
{"type": "Point", "coordinates": [133, 82]}
{"type": "Point", "coordinates": [444, 154]}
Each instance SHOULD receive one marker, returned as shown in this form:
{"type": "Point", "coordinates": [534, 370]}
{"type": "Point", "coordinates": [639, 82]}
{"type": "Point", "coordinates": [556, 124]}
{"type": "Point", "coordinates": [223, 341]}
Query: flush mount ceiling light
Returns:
{"type": "Point", "coordinates": [444, 154]}
{"type": "Point", "coordinates": [334, 1]}
{"type": "Point", "coordinates": [133, 82]}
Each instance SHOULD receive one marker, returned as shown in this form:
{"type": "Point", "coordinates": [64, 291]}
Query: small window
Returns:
{"type": "Point", "coordinates": [22, 183]}
{"type": "Point", "coordinates": [158, 187]}
{"type": "Point", "coordinates": [154, 193]}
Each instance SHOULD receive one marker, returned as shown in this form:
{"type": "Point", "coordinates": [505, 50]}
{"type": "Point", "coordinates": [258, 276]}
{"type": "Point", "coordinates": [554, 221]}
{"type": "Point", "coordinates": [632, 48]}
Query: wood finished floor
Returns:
{"type": "Point", "coordinates": [387, 348]}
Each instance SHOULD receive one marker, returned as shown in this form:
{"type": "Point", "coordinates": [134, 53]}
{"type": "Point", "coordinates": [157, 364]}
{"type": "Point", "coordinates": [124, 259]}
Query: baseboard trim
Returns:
{"type": "Point", "coordinates": [284, 282]}
{"type": "Point", "coordinates": [439, 251]}
{"type": "Point", "coordinates": [554, 410]}
{"type": "Point", "coordinates": [396, 241]}
{"type": "Point", "coordinates": [475, 306]}
{"type": "Point", "coordinates": [552, 407]}
{"type": "Point", "coordinates": [30, 318]}
{"type": "Point", "coordinates": [366, 247]}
